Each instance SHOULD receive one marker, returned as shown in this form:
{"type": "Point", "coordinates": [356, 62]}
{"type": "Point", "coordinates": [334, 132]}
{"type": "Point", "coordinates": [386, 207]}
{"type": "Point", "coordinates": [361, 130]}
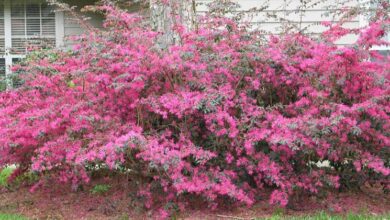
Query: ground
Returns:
{"type": "Point", "coordinates": [59, 202]}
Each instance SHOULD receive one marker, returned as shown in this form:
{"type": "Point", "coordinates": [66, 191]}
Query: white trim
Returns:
{"type": "Point", "coordinates": [7, 41]}
{"type": "Point", "coordinates": [60, 28]}
{"type": "Point", "coordinates": [7, 26]}
{"type": "Point", "coordinates": [8, 64]}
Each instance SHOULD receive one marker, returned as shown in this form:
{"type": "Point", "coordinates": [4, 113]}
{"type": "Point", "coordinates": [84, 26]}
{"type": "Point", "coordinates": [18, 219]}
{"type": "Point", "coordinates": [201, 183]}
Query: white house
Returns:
{"type": "Point", "coordinates": [34, 22]}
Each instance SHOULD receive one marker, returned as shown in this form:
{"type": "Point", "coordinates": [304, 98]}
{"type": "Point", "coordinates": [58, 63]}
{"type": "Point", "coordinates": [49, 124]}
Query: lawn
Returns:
{"type": "Point", "coordinates": [11, 217]}
{"type": "Point", "coordinates": [4, 174]}
{"type": "Point", "coordinates": [325, 216]}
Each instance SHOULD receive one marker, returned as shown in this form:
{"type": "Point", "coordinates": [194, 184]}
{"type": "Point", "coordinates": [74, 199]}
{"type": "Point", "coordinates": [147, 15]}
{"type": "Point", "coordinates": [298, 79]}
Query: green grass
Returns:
{"type": "Point", "coordinates": [28, 177]}
{"type": "Point", "coordinates": [100, 189]}
{"type": "Point", "coordinates": [11, 217]}
{"type": "Point", "coordinates": [4, 174]}
{"type": "Point", "coordinates": [326, 216]}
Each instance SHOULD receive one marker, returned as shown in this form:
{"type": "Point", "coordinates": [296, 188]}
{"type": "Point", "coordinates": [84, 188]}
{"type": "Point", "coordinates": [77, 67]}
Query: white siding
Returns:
{"type": "Point", "coordinates": [276, 12]}
{"type": "Point", "coordinates": [72, 27]}
{"type": "Point", "coordinates": [270, 19]}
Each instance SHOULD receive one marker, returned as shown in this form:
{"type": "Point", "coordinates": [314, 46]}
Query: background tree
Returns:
{"type": "Point", "coordinates": [169, 16]}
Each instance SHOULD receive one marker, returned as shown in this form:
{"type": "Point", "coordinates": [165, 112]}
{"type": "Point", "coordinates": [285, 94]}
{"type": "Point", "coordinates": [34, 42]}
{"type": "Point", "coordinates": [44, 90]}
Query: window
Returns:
{"type": "Point", "coordinates": [32, 24]}
{"type": "Point", "coordinates": [2, 68]}
{"type": "Point", "coordinates": [2, 48]}
{"type": "Point", "coordinates": [25, 24]}
{"type": "Point", "coordinates": [2, 36]}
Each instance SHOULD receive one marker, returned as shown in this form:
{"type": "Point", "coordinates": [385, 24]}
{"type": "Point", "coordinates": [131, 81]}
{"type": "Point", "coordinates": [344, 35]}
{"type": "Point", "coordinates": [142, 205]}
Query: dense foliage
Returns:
{"type": "Point", "coordinates": [221, 115]}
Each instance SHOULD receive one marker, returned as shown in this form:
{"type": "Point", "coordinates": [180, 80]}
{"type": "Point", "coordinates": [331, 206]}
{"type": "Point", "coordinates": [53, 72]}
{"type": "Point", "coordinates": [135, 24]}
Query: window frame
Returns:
{"type": "Point", "coordinates": [8, 55]}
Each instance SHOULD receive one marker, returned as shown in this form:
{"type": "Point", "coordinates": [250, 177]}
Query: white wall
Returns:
{"type": "Point", "coordinates": [307, 19]}
{"type": "Point", "coordinates": [72, 26]}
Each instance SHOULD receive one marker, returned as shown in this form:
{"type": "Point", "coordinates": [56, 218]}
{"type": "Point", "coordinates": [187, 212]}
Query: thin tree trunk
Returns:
{"type": "Point", "coordinates": [168, 14]}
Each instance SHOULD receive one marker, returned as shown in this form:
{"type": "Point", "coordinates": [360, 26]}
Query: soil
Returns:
{"type": "Point", "coordinates": [60, 202]}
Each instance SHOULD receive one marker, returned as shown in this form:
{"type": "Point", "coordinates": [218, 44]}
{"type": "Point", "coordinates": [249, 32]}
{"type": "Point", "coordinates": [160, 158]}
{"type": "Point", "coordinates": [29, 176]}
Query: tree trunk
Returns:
{"type": "Point", "coordinates": [166, 15]}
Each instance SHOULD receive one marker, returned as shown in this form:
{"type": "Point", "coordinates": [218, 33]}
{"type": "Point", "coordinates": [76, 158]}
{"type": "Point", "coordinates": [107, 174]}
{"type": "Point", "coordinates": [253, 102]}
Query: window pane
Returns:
{"type": "Point", "coordinates": [2, 33]}
{"type": "Point", "coordinates": [19, 45]}
{"type": "Point", "coordinates": [47, 11]}
{"type": "Point", "coordinates": [48, 27]}
{"type": "Point", "coordinates": [1, 27]}
{"type": "Point", "coordinates": [3, 85]}
{"type": "Point", "coordinates": [33, 27]}
{"type": "Point", "coordinates": [33, 10]}
{"type": "Point", "coordinates": [1, 10]}
{"type": "Point", "coordinates": [18, 26]}
{"type": "Point", "coordinates": [16, 60]}
{"type": "Point", "coordinates": [48, 43]}
{"type": "Point", "coordinates": [17, 10]}
{"type": "Point", "coordinates": [42, 43]}
{"type": "Point", "coordinates": [2, 46]}
{"type": "Point", "coordinates": [2, 67]}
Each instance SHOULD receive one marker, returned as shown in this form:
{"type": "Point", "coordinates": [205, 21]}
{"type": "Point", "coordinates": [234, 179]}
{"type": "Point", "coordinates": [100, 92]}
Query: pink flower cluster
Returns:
{"type": "Point", "coordinates": [221, 115]}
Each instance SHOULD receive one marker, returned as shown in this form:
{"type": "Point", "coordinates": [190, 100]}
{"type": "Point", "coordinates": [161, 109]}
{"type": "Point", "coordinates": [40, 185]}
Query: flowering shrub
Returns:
{"type": "Point", "coordinates": [221, 115]}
